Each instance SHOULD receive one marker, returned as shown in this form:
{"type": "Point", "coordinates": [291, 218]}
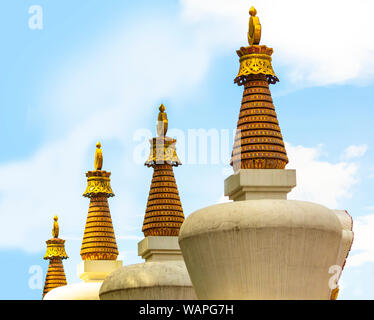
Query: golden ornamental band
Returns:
{"type": "Point", "coordinates": [257, 104]}
{"type": "Point", "coordinates": [255, 119]}
{"type": "Point", "coordinates": [257, 97]}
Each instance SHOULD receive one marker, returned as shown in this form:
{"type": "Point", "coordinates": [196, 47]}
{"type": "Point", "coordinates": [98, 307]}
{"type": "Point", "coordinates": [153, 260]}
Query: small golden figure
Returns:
{"type": "Point", "coordinates": [162, 122]}
{"type": "Point", "coordinates": [98, 157]}
{"type": "Point", "coordinates": [56, 228]}
{"type": "Point", "coordinates": [254, 28]}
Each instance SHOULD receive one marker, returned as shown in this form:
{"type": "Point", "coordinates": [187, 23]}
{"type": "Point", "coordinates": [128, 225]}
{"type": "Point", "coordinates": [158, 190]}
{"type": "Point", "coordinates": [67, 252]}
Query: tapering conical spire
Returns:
{"type": "Point", "coordinates": [258, 141]}
{"type": "Point", "coordinates": [99, 241]}
{"type": "Point", "coordinates": [164, 213]}
{"type": "Point", "coordinates": [55, 253]}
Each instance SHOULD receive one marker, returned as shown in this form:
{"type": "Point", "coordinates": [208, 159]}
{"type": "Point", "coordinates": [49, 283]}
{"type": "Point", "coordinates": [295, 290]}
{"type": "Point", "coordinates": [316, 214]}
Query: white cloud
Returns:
{"type": "Point", "coordinates": [362, 248]}
{"type": "Point", "coordinates": [355, 151]}
{"type": "Point", "coordinates": [320, 181]}
{"type": "Point", "coordinates": [319, 42]}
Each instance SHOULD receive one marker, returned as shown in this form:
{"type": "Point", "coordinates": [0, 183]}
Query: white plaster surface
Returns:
{"type": "Point", "coordinates": [97, 270]}
{"type": "Point", "coordinates": [77, 291]}
{"type": "Point", "coordinates": [159, 280]}
{"type": "Point", "coordinates": [159, 249]}
{"type": "Point", "coordinates": [262, 249]}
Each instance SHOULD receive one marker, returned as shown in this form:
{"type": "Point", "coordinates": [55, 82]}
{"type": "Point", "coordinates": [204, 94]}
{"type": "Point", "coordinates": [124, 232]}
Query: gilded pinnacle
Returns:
{"type": "Point", "coordinates": [55, 246]}
{"type": "Point", "coordinates": [98, 157]}
{"type": "Point", "coordinates": [162, 122]}
{"type": "Point", "coordinates": [56, 229]}
{"type": "Point", "coordinates": [254, 28]}
{"type": "Point", "coordinates": [162, 147]}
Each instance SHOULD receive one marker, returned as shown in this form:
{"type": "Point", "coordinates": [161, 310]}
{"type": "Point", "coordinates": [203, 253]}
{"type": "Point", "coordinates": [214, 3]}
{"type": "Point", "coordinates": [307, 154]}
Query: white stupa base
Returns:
{"type": "Point", "coordinates": [159, 280]}
{"type": "Point", "coordinates": [159, 249]}
{"type": "Point", "coordinates": [76, 291]}
{"type": "Point", "coordinates": [264, 249]}
{"type": "Point", "coordinates": [162, 277]}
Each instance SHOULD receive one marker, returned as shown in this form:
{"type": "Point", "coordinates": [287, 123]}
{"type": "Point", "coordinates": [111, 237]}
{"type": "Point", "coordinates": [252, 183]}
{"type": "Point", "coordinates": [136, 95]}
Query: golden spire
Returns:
{"type": "Point", "coordinates": [258, 141]}
{"type": "Point", "coordinates": [55, 253]}
{"type": "Point", "coordinates": [162, 147]}
{"type": "Point", "coordinates": [164, 213]}
{"type": "Point", "coordinates": [254, 28]}
{"type": "Point", "coordinates": [99, 241]}
{"type": "Point", "coordinates": [98, 157]}
{"type": "Point", "coordinates": [162, 122]}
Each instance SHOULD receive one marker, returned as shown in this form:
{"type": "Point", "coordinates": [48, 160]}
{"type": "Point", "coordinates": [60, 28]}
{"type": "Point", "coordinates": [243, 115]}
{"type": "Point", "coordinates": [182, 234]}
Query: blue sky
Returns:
{"type": "Point", "coordinates": [98, 70]}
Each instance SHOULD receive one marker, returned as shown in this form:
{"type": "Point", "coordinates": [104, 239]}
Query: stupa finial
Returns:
{"type": "Point", "coordinates": [162, 122]}
{"type": "Point", "coordinates": [258, 142]}
{"type": "Point", "coordinates": [98, 157]}
{"type": "Point", "coordinates": [55, 246]}
{"type": "Point", "coordinates": [164, 213]}
{"type": "Point", "coordinates": [56, 228]}
{"type": "Point", "coordinates": [254, 28]}
{"type": "Point", "coordinates": [162, 147]}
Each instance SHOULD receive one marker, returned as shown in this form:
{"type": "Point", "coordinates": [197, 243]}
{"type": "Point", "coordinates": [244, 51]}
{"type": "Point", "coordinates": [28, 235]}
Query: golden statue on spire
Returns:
{"type": "Point", "coordinates": [56, 228]}
{"type": "Point", "coordinates": [55, 246]}
{"type": "Point", "coordinates": [162, 147]}
{"type": "Point", "coordinates": [254, 28]}
{"type": "Point", "coordinates": [162, 122]}
{"type": "Point", "coordinates": [98, 157]}
{"type": "Point", "coordinates": [98, 181]}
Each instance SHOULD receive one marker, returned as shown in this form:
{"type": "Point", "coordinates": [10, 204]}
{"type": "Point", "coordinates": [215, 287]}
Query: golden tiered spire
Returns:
{"type": "Point", "coordinates": [55, 253]}
{"type": "Point", "coordinates": [164, 213]}
{"type": "Point", "coordinates": [258, 141]}
{"type": "Point", "coordinates": [99, 241]}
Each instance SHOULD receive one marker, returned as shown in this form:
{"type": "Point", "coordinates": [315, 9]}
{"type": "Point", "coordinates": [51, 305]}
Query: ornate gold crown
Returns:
{"type": "Point", "coordinates": [98, 181]}
{"type": "Point", "coordinates": [255, 59]}
{"type": "Point", "coordinates": [55, 246]}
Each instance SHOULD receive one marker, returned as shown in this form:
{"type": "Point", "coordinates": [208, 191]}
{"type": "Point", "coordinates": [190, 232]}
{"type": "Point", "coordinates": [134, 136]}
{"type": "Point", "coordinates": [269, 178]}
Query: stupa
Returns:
{"type": "Point", "coordinates": [261, 245]}
{"type": "Point", "coordinates": [163, 276]}
{"type": "Point", "coordinates": [99, 247]}
{"type": "Point", "coordinates": [55, 254]}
